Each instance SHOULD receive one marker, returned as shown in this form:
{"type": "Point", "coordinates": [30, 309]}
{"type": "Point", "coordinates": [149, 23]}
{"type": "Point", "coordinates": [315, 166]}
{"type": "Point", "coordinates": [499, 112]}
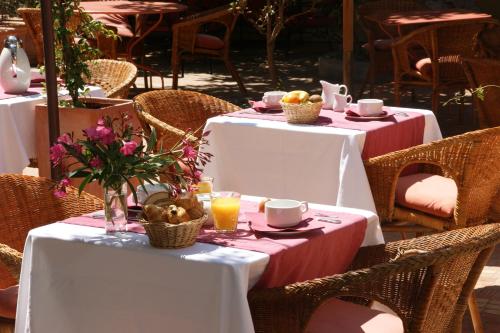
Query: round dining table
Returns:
{"type": "Point", "coordinates": [140, 9]}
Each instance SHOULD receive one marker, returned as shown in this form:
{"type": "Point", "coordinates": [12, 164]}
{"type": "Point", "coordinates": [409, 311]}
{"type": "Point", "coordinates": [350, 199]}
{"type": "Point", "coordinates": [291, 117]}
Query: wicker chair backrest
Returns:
{"type": "Point", "coordinates": [113, 76]}
{"type": "Point", "coordinates": [28, 202]}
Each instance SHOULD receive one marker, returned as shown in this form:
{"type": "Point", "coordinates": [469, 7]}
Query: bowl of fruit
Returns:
{"type": "Point", "coordinates": [300, 107]}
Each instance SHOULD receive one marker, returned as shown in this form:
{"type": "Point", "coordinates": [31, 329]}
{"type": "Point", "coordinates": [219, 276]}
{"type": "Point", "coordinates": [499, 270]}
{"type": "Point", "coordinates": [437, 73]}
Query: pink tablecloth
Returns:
{"type": "Point", "coordinates": [403, 130]}
{"type": "Point", "coordinates": [35, 89]}
{"type": "Point", "coordinates": [319, 253]}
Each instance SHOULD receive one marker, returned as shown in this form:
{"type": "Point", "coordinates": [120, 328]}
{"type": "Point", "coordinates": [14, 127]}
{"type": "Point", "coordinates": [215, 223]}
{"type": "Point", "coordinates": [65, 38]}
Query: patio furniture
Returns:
{"type": "Point", "coordinates": [485, 73]}
{"type": "Point", "coordinates": [28, 202]}
{"type": "Point", "coordinates": [173, 112]}
{"type": "Point", "coordinates": [202, 288]}
{"type": "Point", "coordinates": [318, 163]}
{"type": "Point", "coordinates": [142, 10]}
{"type": "Point", "coordinates": [113, 76]}
{"type": "Point", "coordinates": [33, 20]}
{"type": "Point", "coordinates": [379, 43]}
{"type": "Point", "coordinates": [454, 188]}
{"type": "Point", "coordinates": [426, 281]}
{"type": "Point", "coordinates": [188, 40]}
{"type": "Point", "coordinates": [440, 67]}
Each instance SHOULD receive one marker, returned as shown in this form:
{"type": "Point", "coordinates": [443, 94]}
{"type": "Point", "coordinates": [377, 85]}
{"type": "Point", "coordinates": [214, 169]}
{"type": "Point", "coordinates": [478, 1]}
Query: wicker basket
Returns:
{"type": "Point", "coordinates": [173, 236]}
{"type": "Point", "coordinates": [306, 113]}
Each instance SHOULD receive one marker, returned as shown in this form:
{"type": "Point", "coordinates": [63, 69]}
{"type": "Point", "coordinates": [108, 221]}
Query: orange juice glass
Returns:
{"type": "Point", "coordinates": [225, 210]}
{"type": "Point", "coordinates": [204, 186]}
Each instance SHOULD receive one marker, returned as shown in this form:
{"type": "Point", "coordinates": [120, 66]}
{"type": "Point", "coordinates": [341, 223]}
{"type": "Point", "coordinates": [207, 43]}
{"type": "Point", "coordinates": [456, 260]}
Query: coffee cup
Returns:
{"type": "Point", "coordinates": [370, 107]}
{"type": "Point", "coordinates": [283, 213]}
{"type": "Point", "coordinates": [341, 102]}
{"type": "Point", "coordinates": [273, 98]}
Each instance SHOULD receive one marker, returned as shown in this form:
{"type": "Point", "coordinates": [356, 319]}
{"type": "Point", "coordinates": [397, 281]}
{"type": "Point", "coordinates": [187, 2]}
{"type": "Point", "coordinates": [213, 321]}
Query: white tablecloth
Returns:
{"type": "Point", "coordinates": [78, 279]}
{"type": "Point", "coordinates": [17, 130]}
{"type": "Point", "coordinates": [276, 159]}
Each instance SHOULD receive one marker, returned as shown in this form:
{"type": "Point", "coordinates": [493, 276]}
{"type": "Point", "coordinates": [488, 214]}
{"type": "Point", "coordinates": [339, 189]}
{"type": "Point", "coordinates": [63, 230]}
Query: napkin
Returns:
{"type": "Point", "coordinates": [259, 224]}
{"type": "Point", "coordinates": [353, 112]}
{"type": "Point", "coordinates": [260, 106]}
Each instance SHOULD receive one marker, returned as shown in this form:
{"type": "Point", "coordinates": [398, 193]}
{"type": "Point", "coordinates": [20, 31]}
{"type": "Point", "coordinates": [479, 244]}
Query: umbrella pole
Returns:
{"type": "Point", "coordinates": [50, 76]}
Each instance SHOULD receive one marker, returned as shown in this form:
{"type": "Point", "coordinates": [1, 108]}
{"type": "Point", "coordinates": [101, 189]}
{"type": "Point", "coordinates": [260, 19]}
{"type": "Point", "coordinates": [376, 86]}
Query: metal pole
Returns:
{"type": "Point", "coordinates": [50, 75]}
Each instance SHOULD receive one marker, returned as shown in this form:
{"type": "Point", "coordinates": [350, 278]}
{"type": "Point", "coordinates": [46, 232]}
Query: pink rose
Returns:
{"type": "Point", "coordinates": [65, 138]}
{"type": "Point", "coordinates": [64, 182]}
{"type": "Point", "coordinates": [91, 133]}
{"type": "Point", "coordinates": [60, 193]}
{"type": "Point", "coordinates": [106, 135]}
{"type": "Point", "coordinates": [96, 163]}
{"type": "Point", "coordinates": [57, 153]}
{"type": "Point", "coordinates": [128, 148]}
{"type": "Point", "coordinates": [78, 148]}
{"type": "Point", "coordinates": [189, 152]}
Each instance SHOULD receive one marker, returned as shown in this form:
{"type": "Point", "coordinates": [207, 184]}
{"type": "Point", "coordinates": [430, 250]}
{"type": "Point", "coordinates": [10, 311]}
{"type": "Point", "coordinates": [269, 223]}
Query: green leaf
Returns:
{"type": "Point", "coordinates": [84, 183]}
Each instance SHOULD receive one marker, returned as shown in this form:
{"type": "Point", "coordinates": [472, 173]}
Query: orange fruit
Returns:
{"type": "Point", "coordinates": [296, 96]}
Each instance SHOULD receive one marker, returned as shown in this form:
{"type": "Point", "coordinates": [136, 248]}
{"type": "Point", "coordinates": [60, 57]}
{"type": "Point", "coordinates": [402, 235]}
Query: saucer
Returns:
{"type": "Point", "coordinates": [260, 106]}
{"type": "Point", "coordinates": [351, 115]}
{"type": "Point", "coordinates": [258, 224]}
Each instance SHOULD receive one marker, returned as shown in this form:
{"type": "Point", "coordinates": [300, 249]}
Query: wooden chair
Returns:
{"type": "Point", "coordinates": [440, 69]}
{"type": "Point", "coordinates": [481, 73]}
{"type": "Point", "coordinates": [379, 43]}
{"type": "Point", "coordinates": [187, 40]}
{"type": "Point", "coordinates": [172, 112]}
{"type": "Point", "coordinates": [113, 76]}
{"type": "Point", "coordinates": [33, 19]}
{"type": "Point", "coordinates": [455, 187]}
{"type": "Point", "coordinates": [29, 202]}
{"type": "Point", "coordinates": [425, 281]}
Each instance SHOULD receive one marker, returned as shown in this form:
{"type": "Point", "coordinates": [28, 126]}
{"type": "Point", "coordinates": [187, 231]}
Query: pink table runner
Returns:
{"type": "Point", "coordinates": [35, 89]}
{"type": "Point", "coordinates": [319, 253]}
{"type": "Point", "coordinates": [403, 130]}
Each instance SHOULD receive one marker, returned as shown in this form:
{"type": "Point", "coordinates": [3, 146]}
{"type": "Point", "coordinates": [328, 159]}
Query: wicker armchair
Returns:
{"type": "Point", "coordinates": [114, 76]}
{"type": "Point", "coordinates": [188, 41]}
{"type": "Point", "coordinates": [427, 287]}
{"type": "Point", "coordinates": [485, 72]}
{"type": "Point", "coordinates": [379, 43]}
{"type": "Point", "coordinates": [471, 160]}
{"type": "Point", "coordinates": [172, 112]}
{"type": "Point", "coordinates": [26, 203]}
{"type": "Point", "coordinates": [440, 69]}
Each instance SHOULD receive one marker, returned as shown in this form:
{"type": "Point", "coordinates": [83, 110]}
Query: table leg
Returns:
{"type": "Point", "coordinates": [136, 41]}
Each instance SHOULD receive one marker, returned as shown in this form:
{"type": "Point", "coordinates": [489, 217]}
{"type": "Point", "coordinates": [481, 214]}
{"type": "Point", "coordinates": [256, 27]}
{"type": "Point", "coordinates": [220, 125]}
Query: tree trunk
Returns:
{"type": "Point", "coordinates": [273, 71]}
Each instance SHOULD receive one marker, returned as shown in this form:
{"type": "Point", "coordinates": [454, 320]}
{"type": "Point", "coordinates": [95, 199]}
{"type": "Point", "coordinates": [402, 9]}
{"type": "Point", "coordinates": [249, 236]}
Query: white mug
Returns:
{"type": "Point", "coordinates": [370, 107]}
{"type": "Point", "coordinates": [283, 213]}
{"type": "Point", "coordinates": [328, 90]}
{"type": "Point", "coordinates": [273, 98]}
{"type": "Point", "coordinates": [341, 102]}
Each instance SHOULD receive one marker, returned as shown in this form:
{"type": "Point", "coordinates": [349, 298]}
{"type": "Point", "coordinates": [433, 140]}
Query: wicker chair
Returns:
{"type": "Point", "coordinates": [114, 76]}
{"type": "Point", "coordinates": [427, 286]}
{"type": "Point", "coordinates": [470, 164]}
{"type": "Point", "coordinates": [172, 112]}
{"type": "Point", "coordinates": [26, 203]}
{"type": "Point", "coordinates": [485, 72]}
{"type": "Point", "coordinates": [379, 43]}
{"type": "Point", "coordinates": [188, 41]}
{"type": "Point", "coordinates": [440, 69]}
{"type": "Point", "coordinates": [33, 19]}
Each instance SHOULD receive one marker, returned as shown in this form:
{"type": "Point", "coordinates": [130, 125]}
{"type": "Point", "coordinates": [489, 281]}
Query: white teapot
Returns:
{"type": "Point", "coordinates": [15, 75]}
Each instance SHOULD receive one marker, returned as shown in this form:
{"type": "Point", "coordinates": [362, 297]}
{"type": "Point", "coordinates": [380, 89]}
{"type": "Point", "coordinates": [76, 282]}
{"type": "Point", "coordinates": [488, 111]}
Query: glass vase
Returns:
{"type": "Point", "coordinates": [115, 209]}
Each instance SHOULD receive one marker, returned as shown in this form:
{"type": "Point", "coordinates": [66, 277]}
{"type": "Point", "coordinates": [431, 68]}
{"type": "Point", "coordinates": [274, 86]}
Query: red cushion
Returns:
{"type": "Point", "coordinates": [432, 194]}
{"type": "Point", "coordinates": [8, 302]}
{"type": "Point", "coordinates": [338, 316]}
{"type": "Point", "coordinates": [424, 66]}
{"type": "Point", "coordinates": [123, 27]}
{"type": "Point", "coordinates": [210, 42]}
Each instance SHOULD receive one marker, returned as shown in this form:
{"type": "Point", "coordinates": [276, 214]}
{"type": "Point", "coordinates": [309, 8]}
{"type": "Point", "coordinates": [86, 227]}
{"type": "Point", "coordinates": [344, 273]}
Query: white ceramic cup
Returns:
{"type": "Point", "coordinates": [341, 102]}
{"type": "Point", "coordinates": [283, 213]}
{"type": "Point", "coordinates": [370, 107]}
{"type": "Point", "coordinates": [273, 98]}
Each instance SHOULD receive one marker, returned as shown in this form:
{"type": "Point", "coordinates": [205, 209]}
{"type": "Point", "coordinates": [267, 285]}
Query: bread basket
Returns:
{"type": "Point", "coordinates": [303, 113]}
{"type": "Point", "coordinates": [173, 236]}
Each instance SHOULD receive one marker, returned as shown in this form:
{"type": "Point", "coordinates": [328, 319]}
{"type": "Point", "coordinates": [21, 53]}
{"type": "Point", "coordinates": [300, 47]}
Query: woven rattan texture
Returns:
{"type": "Point", "coordinates": [304, 113]}
{"type": "Point", "coordinates": [113, 76]}
{"type": "Point", "coordinates": [29, 202]}
{"type": "Point", "coordinates": [172, 112]}
{"type": "Point", "coordinates": [472, 160]}
{"type": "Point", "coordinates": [428, 291]}
{"type": "Point", "coordinates": [173, 236]}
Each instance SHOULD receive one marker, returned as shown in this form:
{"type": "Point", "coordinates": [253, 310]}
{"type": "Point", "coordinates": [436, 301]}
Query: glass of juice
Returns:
{"type": "Point", "coordinates": [225, 210]}
{"type": "Point", "coordinates": [204, 186]}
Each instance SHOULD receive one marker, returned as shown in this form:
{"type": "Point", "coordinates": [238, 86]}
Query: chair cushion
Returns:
{"type": "Point", "coordinates": [424, 66]}
{"type": "Point", "coordinates": [8, 302]}
{"type": "Point", "coordinates": [338, 316]}
{"type": "Point", "coordinates": [123, 27]}
{"type": "Point", "coordinates": [431, 194]}
{"type": "Point", "coordinates": [204, 41]}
